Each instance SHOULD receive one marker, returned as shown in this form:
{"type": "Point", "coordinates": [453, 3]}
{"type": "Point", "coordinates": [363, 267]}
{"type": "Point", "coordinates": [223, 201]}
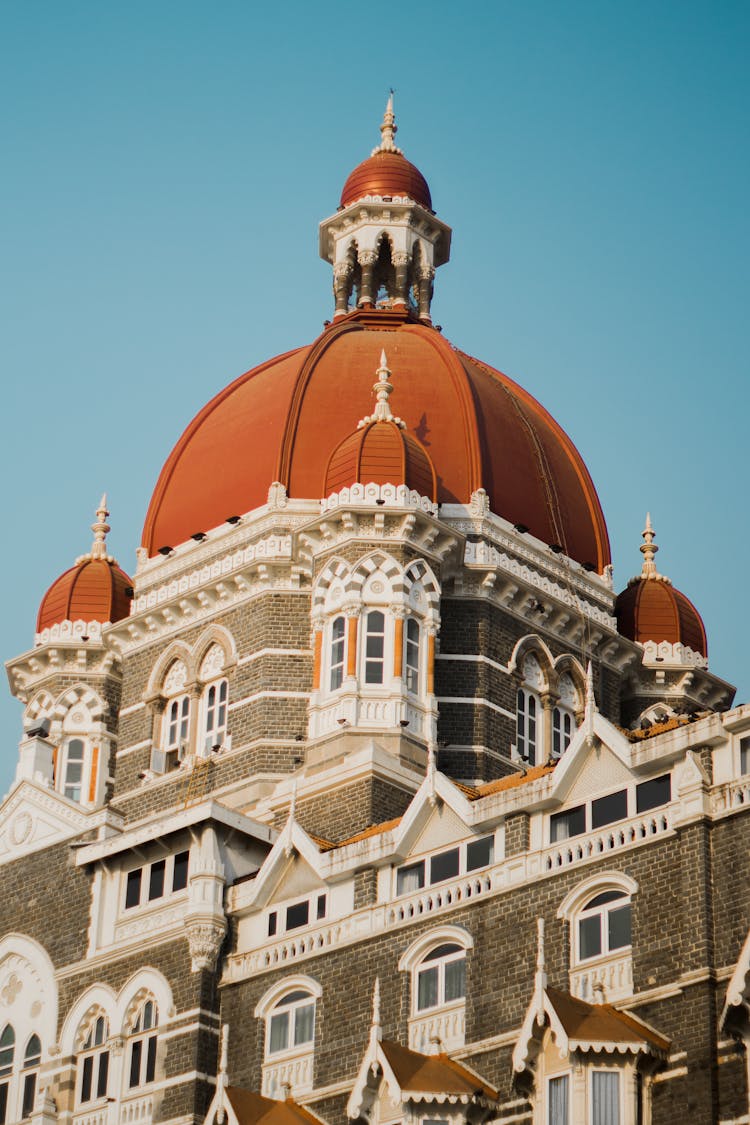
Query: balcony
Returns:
{"type": "Point", "coordinates": [442, 1030]}
{"type": "Point", "coordinates": [289, 1076]}
{"type": "Point", "coordinates": [604, 981]}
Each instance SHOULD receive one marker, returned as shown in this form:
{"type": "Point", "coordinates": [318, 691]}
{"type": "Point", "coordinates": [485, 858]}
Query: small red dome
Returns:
{"type": "Point", "coordinates": [650, 609]}
{"type": "Point", "coordinates": [92, 590]}
{"type": "Point", "coordinates": [381, 453]}
{"type": "Point", "coordinates": [386, 173]}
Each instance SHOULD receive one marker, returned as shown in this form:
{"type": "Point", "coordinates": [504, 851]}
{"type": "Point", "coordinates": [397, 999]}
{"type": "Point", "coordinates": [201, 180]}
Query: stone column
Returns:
{"type": "Point", "coordinates": [205, 921]}
{"type": "Point", "coordinates": [342, 286]}
{"type": "Point", "coordinates": [425, 275]}
{"type": "Point", "coordinates": [367, 260]}
{"type": "Point", "coordinates": [399, 615]}
{"type": "Point", "coordinates": [401, 265]}
{"type": "Point", "coordinates": [351, 613]}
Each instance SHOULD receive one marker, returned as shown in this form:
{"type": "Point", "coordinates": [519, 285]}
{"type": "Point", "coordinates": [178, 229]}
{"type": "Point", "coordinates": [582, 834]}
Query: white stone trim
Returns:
{"type": "Point", "coordinates": [474, 700]}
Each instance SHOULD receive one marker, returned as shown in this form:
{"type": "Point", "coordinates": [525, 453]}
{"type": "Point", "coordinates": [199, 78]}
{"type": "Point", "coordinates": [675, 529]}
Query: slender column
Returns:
{"type": "Point", "coordinates": [367, 260]}
{"type": "Point", "coordinates": [342, 284]}
{"type": "Point", "coordinates": [352, 624]}
{"type": "Point", "coordinates": [194, 692]}
{"type": "Point", "coordinates": [548, 703]}
{"type": "Point", "coordinates": [425, 276]}
{"type": "Point", "coordinates": [94, 772]}
{"type": "Point", "coordinates": [317, 654]}
{"type": "Point", "coordinates": [401, 265]}
{"type": "Point", "coordinates": [431, 631]}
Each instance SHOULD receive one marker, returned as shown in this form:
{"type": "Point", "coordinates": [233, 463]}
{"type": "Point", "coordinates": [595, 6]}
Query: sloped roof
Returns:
{"type": "Point", "coordinates": [251, 1108]}
{"type": "Point", "coordinates": [598, 1025]}
{"type": "Point", "coordinates": [433, 1074]}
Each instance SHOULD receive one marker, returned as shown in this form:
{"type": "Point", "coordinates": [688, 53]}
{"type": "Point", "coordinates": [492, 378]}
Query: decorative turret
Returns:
{"type": "Point", "coordinates": [385, 241]}
{"type": "Point", "coordinates": [380, 451]}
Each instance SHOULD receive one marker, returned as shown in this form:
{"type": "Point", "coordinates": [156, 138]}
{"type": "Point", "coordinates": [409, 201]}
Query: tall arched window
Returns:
{"type": "Point", "coordinates": [563, 716]}
{"type": "Point", "coordinates": [93, 1063]}
{"type": "Point", "coordinates": [7, 1051]}
{"type": "Point", "coordinates": [374, 647]}
{"type": "Point", "coordinates": [142, 1046]}
{"type": "Point", "coordinates": [411, 655]}
{"type": "Point", "coordinates": [72, 767]}
{"type": "Point", "coordinates": [292, 1022]}
{"type": "Point", "coordinates": [288, 1011]}
{"type": "Point", "coordinates": [214, 715]}
{"type": "Point", "coordinates": [337, 652]}
{"type": "Point", "coordinates": [604, 925]}
{"type": "Point", "coordinates": [436, 964]}
{"type": "Point", "coordinates": [441, 977]}
{"type": "Point", "coordinates": [32, 1057]}
{"type": "Point", "coordinates": [529, 712]}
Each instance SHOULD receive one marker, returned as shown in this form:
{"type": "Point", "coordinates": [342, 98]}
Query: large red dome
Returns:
{"type": "Point", "coordinates": [282, 420]}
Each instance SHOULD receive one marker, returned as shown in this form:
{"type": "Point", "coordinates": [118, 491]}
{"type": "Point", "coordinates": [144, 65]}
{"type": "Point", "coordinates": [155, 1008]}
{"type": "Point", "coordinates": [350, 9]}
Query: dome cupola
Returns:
{"type": "Point", "coordinates": [380, 451]}
{"type": "Point", "coordinates": [95, 589]}
{"type": "Point", "coordinates": [649, 609]}
{"type": "Point", "coordinates": [385, 241]}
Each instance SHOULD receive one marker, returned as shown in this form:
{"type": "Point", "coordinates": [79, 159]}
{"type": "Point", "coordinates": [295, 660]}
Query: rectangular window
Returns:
{"type": "Point", "coordinates": [480, 853]}
{"type": "Point", "coordinates": [374, 647]}
{"type": "Point", "coordinates": [3, 1102]}
{"type": "Point", "coordinates": [135, 1063]}
{"type": "Point", "coordinates": [279, 1036]}
{"type": "Point", "coordinates": [180, 873]}
{"type": "Point", "coordinates": [133, 888]}
{"type": "Point", "coordinates": [29, 1090]}
{"type": "Point", "coordinates": [605, 1097]}
{"type": "Point", "coordinates": [444, 866]}
{"type": "Point", "coordinates": [87, 1073]}
{"type": "Point", "coordinates": [455, 979]}
{"type": "Point", "coordinates": [558, 1100]}
{"type": "Point", "coordinates": [590, 937]}
{"type": "Point", "coordinates": [156, 879]}
{"type": "Point", "coordinates": [427, 989]}
{"type": "Point", "coordinates": [151, 1059]}
{"type": "Point", "coordinates": [272, 923]}
{"type": "Point", "coordinates": [304, 1030]}
{"type": "Point", "coordinates": [651, 794]}
{"type": "Point", "coordinates": [101, 1084]}
{"type": "Point", "coordinates": [321, 908]}
{"type": "Point", "coordinates": [563, 825]}
{"type": "Point", "coordinates": [297, 915]}
{"type": "Point", "coordinates": [606, 810]}
{"type": "Point", "coordinates": [619, 927]}
{"type": "Point", "coordinates": [410, 879]}
{"type": "Point", "coordinates": [745, 755]}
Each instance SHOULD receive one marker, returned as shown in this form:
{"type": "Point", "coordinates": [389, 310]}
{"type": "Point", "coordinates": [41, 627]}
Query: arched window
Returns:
{"type": "Point", "coordinates": [441, 977]}
{"type": "Point", "coordinates": [563, 716]}
{"type": "Point", "coordinates": [291, 1023]}
{"type": "Point", "coordinates": [142, 1049]}
{"type": "Point", "coordinates": [32, 1057]}
{"type": "Point", "coordinates": [93, 1063]}
{"type": "Point", "coordinates": [338, 652]}
{"type": "Point", "coordinates": [529, 712]}
{"type": "Point", "coordinates": [603, 925]}
{"type": "Point", "coordinates": [72, 767]}
{"type": "Point", "coordinates": [374, 647]}
{"type": "Point", "coordinates": [7, 1050]}
{"type": "Point", "coordinates": [214, 715]}
{"type": "Point", "coordinates": [411, 655]}
{"type": "Point", "coordinates": [177, 727]}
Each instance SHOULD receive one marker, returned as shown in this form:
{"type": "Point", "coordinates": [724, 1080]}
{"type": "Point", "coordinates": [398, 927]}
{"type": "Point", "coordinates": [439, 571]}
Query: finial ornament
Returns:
{"type": "Point", "coordinates": [540, 977]}
{"type": "Point", "coordinates": [590, 710]}
{"type": "Point", "coordinates": [382, 389]}
{"type": "Point", "coordinates": [388, 130]}
{"type": "Point", "coordinates": [648, 550]}
{"type": "Point", "coordinates": [100, 529]}
{"type": "Point", "coordinates": [222, 1080]}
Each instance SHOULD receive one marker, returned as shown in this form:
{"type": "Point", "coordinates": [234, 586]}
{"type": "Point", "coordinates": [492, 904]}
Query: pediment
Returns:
{"type": "Point", "coordinates": [597, 760]}
{"type": "Point", "coordinates": [34, 817]}
{"type": "Point", "coordinates": [297, 878]}
{"type": "Point", "coordinates": [603, 771]}
{"type": "Point", "coordinates": [443, 828]}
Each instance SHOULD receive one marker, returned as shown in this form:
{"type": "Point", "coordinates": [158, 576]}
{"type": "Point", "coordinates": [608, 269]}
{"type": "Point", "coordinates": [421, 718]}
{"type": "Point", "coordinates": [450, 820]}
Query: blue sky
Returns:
{"type": "Point", "coordinates": [166, 166]}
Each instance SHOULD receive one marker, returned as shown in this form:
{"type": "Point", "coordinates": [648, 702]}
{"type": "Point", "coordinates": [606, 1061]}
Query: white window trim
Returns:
{"type": "Point", "coordinates": [619, 1071]}
{"type": "Point", "coordinates": [144, 902]}
{"type": "Point", "coordinates": [220, 733]}
{"type": "Point", "coordinates": [462, 846]}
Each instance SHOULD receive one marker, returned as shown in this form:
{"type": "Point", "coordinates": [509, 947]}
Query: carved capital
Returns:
{"type": "Point", "coordinates": [343, 269]}
{"type": "Point", "coordinates": [399, 612]}
{"type": "Point", "coordinates": [400, 258]}
{"type": "Point", "coordinates": [352, 611]}
{"type": "Point", "coordinates": [204, 939]}
{"type": "Point", "coordinates": [367, 257]}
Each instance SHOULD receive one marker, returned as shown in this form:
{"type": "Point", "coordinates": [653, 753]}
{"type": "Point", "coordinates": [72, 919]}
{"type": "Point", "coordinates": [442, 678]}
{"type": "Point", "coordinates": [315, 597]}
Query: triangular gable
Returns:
{"type": "Point", "coordinates": [435, 789]}
{"type": "Point", "coordinates": [292, 848]}
{"type": "Point", "coordinates": [599, 750]}
{"type": "Point", "coordinates": [35, 817]}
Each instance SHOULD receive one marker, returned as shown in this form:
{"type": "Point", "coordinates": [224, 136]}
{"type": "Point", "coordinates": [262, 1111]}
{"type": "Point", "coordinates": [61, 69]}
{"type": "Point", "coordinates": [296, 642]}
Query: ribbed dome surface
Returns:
{"type": "Point", "coordinates": [386, 173]}
{"type": "Point", "coordinates": [282, 420]}
{"type": "Point", "coordinates": [381, 453]}
{"type": "Point", "coordinates": [652, 610]}
{"type": "Point", "coordinates": [92, 590]}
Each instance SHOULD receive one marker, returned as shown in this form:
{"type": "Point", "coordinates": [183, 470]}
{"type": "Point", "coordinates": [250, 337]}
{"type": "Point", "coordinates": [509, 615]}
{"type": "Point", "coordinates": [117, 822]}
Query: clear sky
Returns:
{"type": "Point", "coordinates": [165, 166]}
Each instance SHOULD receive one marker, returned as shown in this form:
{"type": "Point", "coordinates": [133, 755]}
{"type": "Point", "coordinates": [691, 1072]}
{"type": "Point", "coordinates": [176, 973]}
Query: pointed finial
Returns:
{"type": "Point", "coordinates": [540, 945]}
{"type": "Point", "coordinates": [100, 529]}
{"type": "Point", "coordinates": [648, 550]}
{"type": "Point", "coordinates": [540, 977]}
{"type": "Point", "coordinates": [590, 710]}
{"type": "Point", "coordinates": [289, 846]}
{"type": "Point", "coordinates": [375, 1030]}
{"type": "Point", "coordinates": [382, 390]}
{"type": "Point", "coordinates": [388, 129]}
{"type": "Point", "coordinates": [431, 774]}
{"type": "Point", "coordinates": [222, 1080]}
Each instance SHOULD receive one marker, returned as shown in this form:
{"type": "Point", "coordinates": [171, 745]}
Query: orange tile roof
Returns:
{"type": "Point", "coordinates": [658, 728]}
{"type": "Point", "coordinates": [512, 781]}
{"type": "Point", "coordinates": [253, 1109]}
{"type": "Point", "coordinates": [433, 1074]}
{"type": "Point", "coordinates": [601, 1023]}
{"type": "Point", "coordinates": [371, 830]}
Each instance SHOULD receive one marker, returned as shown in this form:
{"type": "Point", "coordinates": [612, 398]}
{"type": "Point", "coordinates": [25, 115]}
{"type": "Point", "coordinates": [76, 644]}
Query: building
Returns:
{"type": "Point", "coordinates": [368, 799]}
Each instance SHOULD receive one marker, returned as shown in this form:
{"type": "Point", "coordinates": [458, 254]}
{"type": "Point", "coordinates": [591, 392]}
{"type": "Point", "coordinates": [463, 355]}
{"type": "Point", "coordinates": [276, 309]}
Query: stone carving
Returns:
{"type": "Point", "coordinates": [212, 664]}
{"type": "Point", "coordinates": [277, 496]}
{"type": "Point", "coordinates": [11, 989]}
{"type": "Point", "coordinates": [204, 939]}
{"type": "Point", "coordinates": [175, 679]}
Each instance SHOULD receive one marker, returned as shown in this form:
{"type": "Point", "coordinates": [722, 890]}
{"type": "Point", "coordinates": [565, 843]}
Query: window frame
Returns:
{"type": "Point", "coordinates": [146, 1039]}
{"type": "Point", "coordinates": [145, 899]}
{"type": "Point", "coordinates": [592, 1070]}
{"type": "Point", "coordinates": [425, 862]}
{"type": "Point", "coordinates": [588, 911]}
{"type": "Point", "coordinates": [175, 743]}
{"type": "Point", "coordinates": [99, 1055]}
{"type": "Point", "coordinates": [280, 1006]}
{"type": "Point", "coordinates": [632, 792]}
{"type": "Point", "coordinates": [317, 911]}
{"type": "Point", "coordinates": [429, 962]}
{"type": "Point", "coordinates": [412, 667]}
{"type": "Point", "coordinates": [549, 1079]}
{"type": "Point", "coordinates": [527, 700]}
{"type": "Point", "coordinates": [336, 649]}
{"type": "Point", "coordinates": [368, 634]}
{"type": "Point", "coordinates": [219, 709]}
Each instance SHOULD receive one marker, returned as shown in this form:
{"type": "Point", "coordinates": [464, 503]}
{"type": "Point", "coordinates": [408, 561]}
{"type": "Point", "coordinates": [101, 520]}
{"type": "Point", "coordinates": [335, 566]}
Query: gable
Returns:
{"type": "Point", "coordinates": [443, 828]}
{"type": "Point", "coordinates": [601, 771]}
{"type": "Point", "coordinates": [297, 878]}
{"type": "Point", "coordinates": [33, 818]}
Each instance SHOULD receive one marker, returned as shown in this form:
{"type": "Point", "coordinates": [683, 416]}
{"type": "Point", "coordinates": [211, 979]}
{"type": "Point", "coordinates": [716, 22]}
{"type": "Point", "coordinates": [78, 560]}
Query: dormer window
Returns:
{"type": "Point", "coordinates": [446, 865]}
{"type": "Point", "coordinates": [163, 877]}
{"type": "Point", "coordinates": [297, 914]}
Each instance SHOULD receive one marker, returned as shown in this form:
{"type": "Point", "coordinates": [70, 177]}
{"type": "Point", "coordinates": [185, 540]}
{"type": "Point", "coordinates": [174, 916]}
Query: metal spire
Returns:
{"type": "Point", "coordinates": [100, 529]}
{"type": "Point", "coordinates": [382, 389]}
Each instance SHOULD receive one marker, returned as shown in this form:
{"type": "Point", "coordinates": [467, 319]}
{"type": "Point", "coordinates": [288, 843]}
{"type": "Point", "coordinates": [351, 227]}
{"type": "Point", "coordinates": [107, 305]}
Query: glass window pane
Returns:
{"type": "Point", "coordinates": [604, 898]}
{"type": "Point", "coordinates": [272, 923]}
{"type": "Point", "coordinates": [29, 1091]}
{"type": "Point", "coordinates": [410, 879]}
{"type": "Point", "coordinates": [133, 888]}
{"type": "Point", "coordinates": [3, 1102]}
{"type": "Point", "coordinates": [321, 908]}
{"type": "Point", "coordinates": [151, 1059]}
{"type": "Point", "coordinates": [744, 756]}
{"type": "Point", "coordinates": [86, 1076]}
{"type": "Point", "coordinates": [619, 927]}
{"type": "Point", "coordinates": [605, 1097]}
{"type": "Point", "coordinates": [279, 1032]}
{"type": "Point", "coordinates": [101, 1085]}
{"type": "Point", "coordinates": [557, 1100]}
{"type": "Point", "coordinates": [180, 873]}
{"type": "Point", "coordinates": [657, 791]}
{"type": "Point", "coordinates": [7, 1048]}
{"type": "Point", "coordinates": [455, 979]}
{"type": "Point", "coordinates": [480, 853]}
{"type": "Point", "coordinates": [606, 810]}
{"type": "Point", "coordinates": [136, 1050]}
{"type": "Point", "coordinates": [590, 936]}
{"type": "Point", "coordinates": [156, 879]}
{"type": "Point", "coordinates": [427, 988]}
{"type": "Point", "coordinates": [304, 1024]}
{"type": "Point", "coordinates": [443, 950]}
{"type": "Point", "coordinates": [33, 1052]}
{"type": "Point", "coordinates": [444, 866]}
{"type": "Point", "coordinates": [563, 825]}
{"type": "Point", "coordinates": [297, 915]}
